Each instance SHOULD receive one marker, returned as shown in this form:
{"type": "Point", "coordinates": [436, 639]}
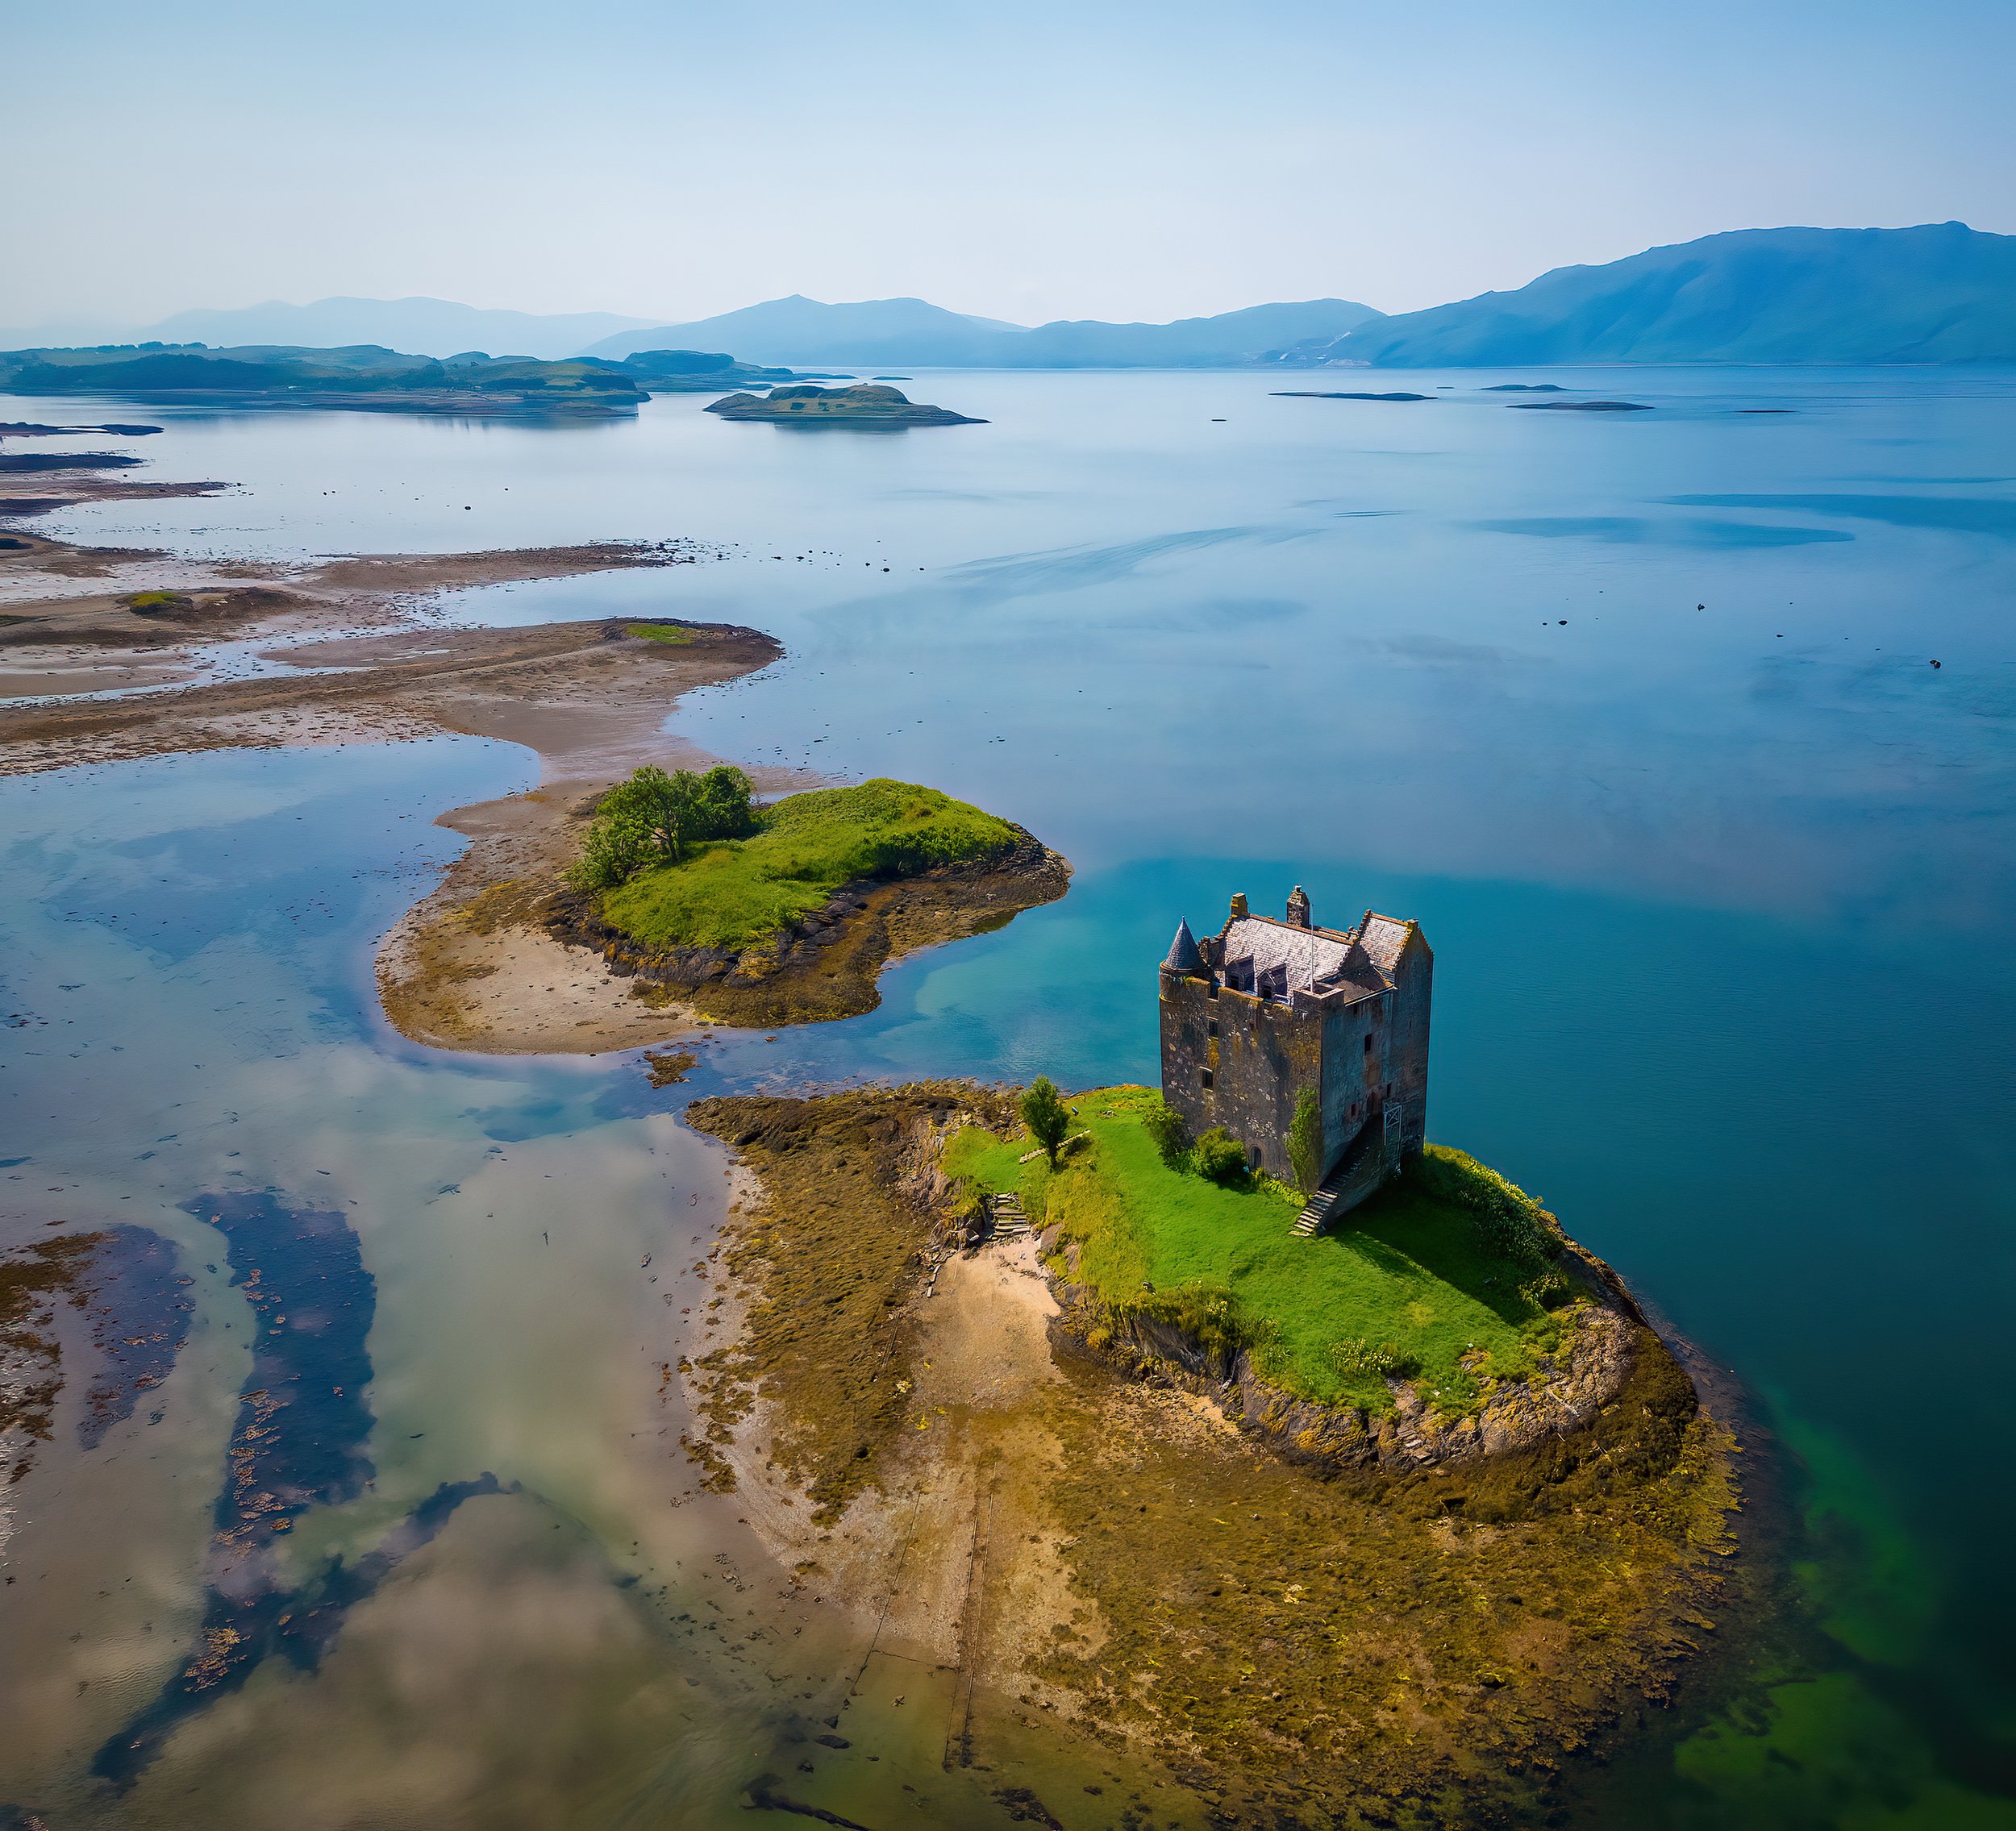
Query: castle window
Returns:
{"type": "Point", "coordinates": [1213, 993]}
{"type": "Point", "coordinates": [1214, 1026]}
{"type": "Point", "coordinates": [1369, 1045]}
{"type": "Point", "coordinates": [1207, 1081]}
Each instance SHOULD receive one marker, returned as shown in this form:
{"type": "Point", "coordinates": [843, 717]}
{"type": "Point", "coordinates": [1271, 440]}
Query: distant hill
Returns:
{"type": "Point", "coordinates": [1943, 292]}
{"type": "Point", "coordinates": [433, 327]}
{"type": "Point", "coordinates": [803, 330]}
{"type": "Point", "coordinates": [358, 376]}
{"type": "Point", "coordinates": [882, 333]}
{"type": "Point", "coordinates": [694, 371]}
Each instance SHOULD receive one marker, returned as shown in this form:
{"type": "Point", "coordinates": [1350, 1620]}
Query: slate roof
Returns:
{"type": "Point", "coordinates": [1382, 938]}
{"type": "Point", "coordinates": [1309, 954]}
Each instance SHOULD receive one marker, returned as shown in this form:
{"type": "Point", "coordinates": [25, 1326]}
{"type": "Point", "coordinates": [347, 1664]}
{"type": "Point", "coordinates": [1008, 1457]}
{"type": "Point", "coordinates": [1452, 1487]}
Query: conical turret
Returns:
{"type": "Point", "coordinates": [1183, 956]}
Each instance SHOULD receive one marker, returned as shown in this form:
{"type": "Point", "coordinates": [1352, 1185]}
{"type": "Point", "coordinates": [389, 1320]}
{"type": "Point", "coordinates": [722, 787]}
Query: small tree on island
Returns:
{"type": "Point", "coordinates": [1046, 1116]}
{"type": "Point", "coordinates": [1306, 1142]}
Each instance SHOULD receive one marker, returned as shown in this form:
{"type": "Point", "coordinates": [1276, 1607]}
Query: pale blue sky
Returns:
{"type": "Point", "coordinates": [1026, 161]}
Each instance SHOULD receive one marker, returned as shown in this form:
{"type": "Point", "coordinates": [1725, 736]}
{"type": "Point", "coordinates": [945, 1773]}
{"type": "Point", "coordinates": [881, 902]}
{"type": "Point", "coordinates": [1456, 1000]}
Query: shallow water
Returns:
{"type": "Point", "coordinates": [1635, 712]}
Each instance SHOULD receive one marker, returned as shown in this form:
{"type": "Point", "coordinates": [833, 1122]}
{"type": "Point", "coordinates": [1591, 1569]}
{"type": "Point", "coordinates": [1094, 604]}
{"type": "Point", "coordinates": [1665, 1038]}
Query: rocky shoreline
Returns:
{"type": "Point", "coordinates": [1609, 1340]}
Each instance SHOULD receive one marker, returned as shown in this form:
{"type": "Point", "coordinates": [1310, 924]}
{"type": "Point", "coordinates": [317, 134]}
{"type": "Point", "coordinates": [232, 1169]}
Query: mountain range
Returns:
{"type": "Point", "coordinates": [1940, 293]}
{"type": "Point", "coordinates": [424, 326]}
{"type": "Point", "coordinates": [881, 332]}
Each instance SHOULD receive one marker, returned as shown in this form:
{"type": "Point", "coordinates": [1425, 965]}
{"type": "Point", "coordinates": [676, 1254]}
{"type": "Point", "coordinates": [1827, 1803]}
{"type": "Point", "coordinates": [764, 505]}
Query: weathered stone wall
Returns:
{"type": "Point", "coordinates": [1262, 1054]}
{"type": "Point", "coordinates": [1346, 1093]}
{"type": "Point", "coordinates": [1407, 1042]}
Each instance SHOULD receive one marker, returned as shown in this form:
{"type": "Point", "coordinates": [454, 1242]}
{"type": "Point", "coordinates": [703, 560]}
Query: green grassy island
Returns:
{"type": "Point", "coordinates": [735, 892]}
{"type": "Point", "coordinates": [363, 374]}
{"type": "Point", "coordinates": [1410, 1289]}
{"type": "Point", "coordinates": [787, 912]}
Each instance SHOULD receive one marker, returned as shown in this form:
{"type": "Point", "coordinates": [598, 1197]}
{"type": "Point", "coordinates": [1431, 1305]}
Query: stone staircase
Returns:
{"type": "Point", "coordinates": [1316, 1216]}
{"type": "Point", "coordinates": [1005, 1217]}
{"type": "Point", "coordinates": [1366, 1163]}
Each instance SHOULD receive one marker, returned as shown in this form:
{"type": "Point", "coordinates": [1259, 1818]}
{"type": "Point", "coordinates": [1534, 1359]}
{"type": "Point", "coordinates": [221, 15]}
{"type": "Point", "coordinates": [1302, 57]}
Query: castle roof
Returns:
{"type": "Point", "coordinates": [1309, 955]}
{"type": "Point", "coordinates": [1183, 956]}
{"type": "Point", "coordinates": [1383, 938]}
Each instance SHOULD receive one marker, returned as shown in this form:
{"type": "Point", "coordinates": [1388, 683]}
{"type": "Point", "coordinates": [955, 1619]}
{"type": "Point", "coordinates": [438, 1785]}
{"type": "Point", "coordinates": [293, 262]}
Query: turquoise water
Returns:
{"type": "Point", "coordinates": [1636, 712]}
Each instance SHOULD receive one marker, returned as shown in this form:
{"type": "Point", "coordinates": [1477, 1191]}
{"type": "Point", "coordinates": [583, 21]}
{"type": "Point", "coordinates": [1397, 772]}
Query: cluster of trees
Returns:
{"type": "Point", "coordinates": [657, 817]}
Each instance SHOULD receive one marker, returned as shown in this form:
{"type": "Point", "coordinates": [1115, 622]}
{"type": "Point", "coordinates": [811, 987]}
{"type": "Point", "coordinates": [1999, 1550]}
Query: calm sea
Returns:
{"type": "Point", "coordinates": [1689, 735]}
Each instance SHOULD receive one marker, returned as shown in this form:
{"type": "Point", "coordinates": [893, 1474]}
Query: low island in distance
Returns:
{"type": "Point", "coordinates": [865, 404]}
{"type": "Point", "coordinates": [1324, 394]}
{"type": "Point", "coordinates": [1579, 407]}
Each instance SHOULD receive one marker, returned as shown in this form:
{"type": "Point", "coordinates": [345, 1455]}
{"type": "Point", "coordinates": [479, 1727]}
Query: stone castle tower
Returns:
{"type": "Point", "coordinates": [1262, 1010]}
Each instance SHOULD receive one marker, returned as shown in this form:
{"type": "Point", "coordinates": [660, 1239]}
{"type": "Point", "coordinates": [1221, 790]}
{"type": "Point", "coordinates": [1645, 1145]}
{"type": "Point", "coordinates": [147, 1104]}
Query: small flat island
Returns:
{"type": "Point", "coordinates": [865, 404]}
{"type": "Point", "coordinates": [1323, 394]}
{"type": "Point", "coordinates": [786, 913]}
{"type": "Point", "coordinates": [1580, 407]}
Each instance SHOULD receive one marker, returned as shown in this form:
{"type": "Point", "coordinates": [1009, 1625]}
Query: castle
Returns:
{"type": "Point", "coordinates": [1264, 1009]}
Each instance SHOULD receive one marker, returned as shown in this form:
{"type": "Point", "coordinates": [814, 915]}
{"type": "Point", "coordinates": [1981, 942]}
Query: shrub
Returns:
{"type": "Point", "coordinates": [1220, 1157]}
{"type": "Point", "coordinates": [1045, 1115]}
{"type": "Point", "coordinates": [1510, 1222]}
{"type": "Point", "coordinates": [1164, 1124]}
{"type": "Point", "coordinates": [1306, 1142]}
{"type": "Point", "coordinates": [1209, 1314]}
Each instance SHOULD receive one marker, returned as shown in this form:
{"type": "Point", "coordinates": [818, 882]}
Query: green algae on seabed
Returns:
{"type": "Point", "coordinates": [1806, 1748]}
{"type": "Point", "coordinates": [1822, 1753]}
{"type": "Point", "coordinates": [1869, 1584]}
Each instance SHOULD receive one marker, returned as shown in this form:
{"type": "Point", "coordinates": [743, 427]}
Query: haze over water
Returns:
{"type": "Point", "coordinates": [1636, 712]}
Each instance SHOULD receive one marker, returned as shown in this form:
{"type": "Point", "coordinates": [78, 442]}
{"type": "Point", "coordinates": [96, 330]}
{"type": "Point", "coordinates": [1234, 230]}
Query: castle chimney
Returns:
{"type": "Point", "coordinates": [1238, 904]}
{"type": "Point", "coordinates": [1298, 907]}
